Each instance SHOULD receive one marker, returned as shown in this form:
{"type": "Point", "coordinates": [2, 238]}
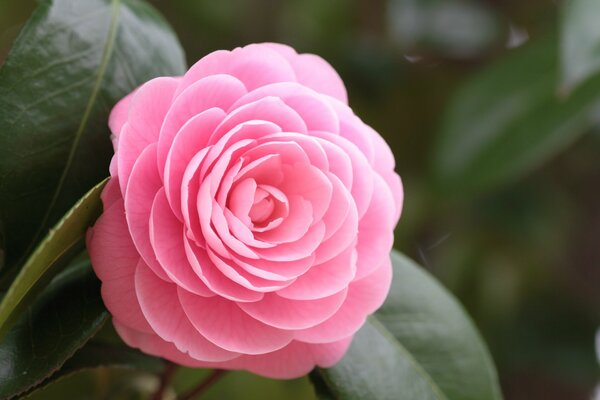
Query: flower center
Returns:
{"type": "Point", "coordinates": [262, 207]}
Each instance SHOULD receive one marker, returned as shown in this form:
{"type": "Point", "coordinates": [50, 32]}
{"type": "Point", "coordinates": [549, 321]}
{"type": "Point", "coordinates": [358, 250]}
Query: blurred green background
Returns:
{"type": "Point", "coordinates": [522, 254]}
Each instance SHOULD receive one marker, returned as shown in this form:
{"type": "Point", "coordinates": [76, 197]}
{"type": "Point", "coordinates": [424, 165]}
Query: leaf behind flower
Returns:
{"type": "Point", "coordinates": [420, 345]}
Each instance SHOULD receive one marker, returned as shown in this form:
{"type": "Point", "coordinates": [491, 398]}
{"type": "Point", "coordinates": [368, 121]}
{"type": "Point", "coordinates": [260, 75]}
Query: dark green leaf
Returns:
{"type": "Point", "coordinates": [54, 252]}
{"type": "Point", "coordinates": [508, 120]}
{"type": "Point", "coordinates": [96, 355]}
{"type": "Point", "coordinates": [580, 41]}
{"type": "Point", "coordinates": [71, 63]}
{"type": "Point", "coordinates": [63, 319]}
{"type": "Point", "coordinates": [420, 345]}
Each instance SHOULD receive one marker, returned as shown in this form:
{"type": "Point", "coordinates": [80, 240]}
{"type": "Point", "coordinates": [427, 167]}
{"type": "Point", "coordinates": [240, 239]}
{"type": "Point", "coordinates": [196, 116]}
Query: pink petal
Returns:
{"type": "Point", "coordinates": [166, 236]}
{"type": "Point", "coordinates": [141, 190]}
{"type": "Point", "coordinates": [216, 91]}
{"type": "Point", "coordinates": [114, 259]}
{"type": "Point", "coordinates": [314, 72]}
{"type": "Point", "coordinates": [269, 109]}
{"type": "Point", "coordinates": [147, 112]}
{"type": "Point", "coordinates": [364, 297]}
{"type": "Point", "coordinates": [155, 345]}
{"type": "Point", "coordinates": [111, 192]}
{"type": "Point", "coordinates": [222, 322]}
{"type": "Point", "coordinates": [283, 313]}
{"type": "Point", "coordinates": [190, 140]}
{"type": "Point", "coordinates": [254, 65]}
{"type": "Point", "coordinates": [324, 279]}
{"type": "Point", "coordinates": [215, 279]}
{"type": "Point", "coordinates": [294, 226]}
{"type": "Point", "coordinates": [316, 110]}
{"type": "Point", "coordinates": [309, 182]}
{"type": "Point", "coordinates": [293, 361]}
{"type": "Point", "coordinates": [362, 180]}
{"type": "Point", "coordinates": [298, 249]}
{"type": "Point", "coordinates": [118, 116]}
{"type": "Point", "coordinates": [376, 229]}
{"type": "Point", "coordinates": [160, 304]}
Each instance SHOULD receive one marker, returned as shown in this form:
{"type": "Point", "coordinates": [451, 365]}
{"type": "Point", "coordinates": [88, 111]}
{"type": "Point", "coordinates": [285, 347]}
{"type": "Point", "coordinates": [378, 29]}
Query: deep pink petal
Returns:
{"type": "Point", "coordinates": [114, 259]}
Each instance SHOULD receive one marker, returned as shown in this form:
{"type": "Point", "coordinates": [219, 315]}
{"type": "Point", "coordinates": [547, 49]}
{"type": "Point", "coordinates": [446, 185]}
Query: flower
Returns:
{"type": "Point", "coordinates": [249, 217]}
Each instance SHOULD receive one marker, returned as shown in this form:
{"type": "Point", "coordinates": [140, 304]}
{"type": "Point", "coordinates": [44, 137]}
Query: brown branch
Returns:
{"type": "Point", "coordinates": [206, 384]}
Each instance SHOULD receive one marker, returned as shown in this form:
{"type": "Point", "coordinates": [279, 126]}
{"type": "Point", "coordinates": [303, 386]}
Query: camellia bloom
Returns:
{"type": "Point", "coordinates": [249, 217]}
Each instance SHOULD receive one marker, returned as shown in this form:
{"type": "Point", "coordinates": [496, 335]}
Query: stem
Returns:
{"type": "Point", "coordinates": [210, 380]}
{"type": "Point", "coordinates": [165, 380]}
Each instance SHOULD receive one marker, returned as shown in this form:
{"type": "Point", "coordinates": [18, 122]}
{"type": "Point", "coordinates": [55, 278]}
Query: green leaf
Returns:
{"type": "Point", "coordinates": [96, 355]}
{"type": "Point", "coordinates": [71, 63]}
{"type": "Point", "coordinates": [67, 314]}
{"type": "Point", "coordinates": [420, 345]}
{"type": "Point", "coordinates": [580, 41]}
{"type": "Point", "coordinates": [63, 242]}
{"type": "Point", "coordinates": [508, 120]}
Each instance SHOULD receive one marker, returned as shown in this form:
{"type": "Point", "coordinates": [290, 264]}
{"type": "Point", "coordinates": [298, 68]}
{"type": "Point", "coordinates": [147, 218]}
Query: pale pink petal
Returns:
{"type": "Point", "coordinates": [362, 172]}
{"type": "Point", "coordinates": [147, 112]}
{"type": "Point", "coordinates": [166, 236]}
{"type": "Point", "coordinates": [233, 271]}
{"type": "Point", "coordinates": [324, 279]}
{"type": "Point", "coordinates": [316, 110]}
{"type": "Point", "coordinates": [189, 141]}
{"type": "Point", "coordinates": [269, 109]}
{"type": "Point", "coordinates": [161, 307]}
{"type": "Point", "coordinates": [314, 72]}
{"type": "Point", "coordinates": [293, 361]}
{"type": "Point", "coordinates": [254, 65]}
{"type": "Point", "coordinates": [216, 91]}
{"type": "Point", "coordinates": [283, 313]}
{"type": "Point", "coordinates": [364, 297]}
{"type": "Point", "coordinates": [139, 197]}
{"type": "Point", "coordinates": [118, 117]}
{"type": "Point", "coordinates": [294, 226]}
{"type": "Point", "coordinates": [376, 229]}
{"type": "Point", "coordinates": [309, 182]}
{"type": "Point", "coordinates": [226, 325]}
{"type": "Point", "coordinates": [299, 249]}
{"type": "Point", "coordinates": [214, 278]}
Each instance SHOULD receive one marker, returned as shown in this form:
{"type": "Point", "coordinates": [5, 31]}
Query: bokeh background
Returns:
{"type": "Point", "coordinates": [522, 255]}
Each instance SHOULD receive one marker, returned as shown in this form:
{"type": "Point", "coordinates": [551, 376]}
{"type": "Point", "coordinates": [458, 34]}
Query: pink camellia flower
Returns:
{"type": "Point", "coordinates": [249, 217]}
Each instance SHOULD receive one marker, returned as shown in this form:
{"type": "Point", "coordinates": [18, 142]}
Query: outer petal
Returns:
{"type": "Point", "coordinates": [314, 72]}
{"type": "Point", "coordinates": [222, 322]}
{"type": "Point", "coordinates": [364, 297]}
{"type": "Point", "coordinates": [114, 259]}
{"type": "Point", "coordinates": [160, 304]}
{"type": "Point", "coordinates": [147, 112]}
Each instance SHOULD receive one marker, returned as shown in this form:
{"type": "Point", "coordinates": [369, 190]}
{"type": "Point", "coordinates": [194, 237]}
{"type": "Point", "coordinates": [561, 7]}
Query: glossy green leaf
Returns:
{"type": "Point", "coordinates": [580, 41]}
{"type": "Point", "coordinates": [64, 318]}
{"type": "Point", "coordinates": [71, 63]}
{"type": "Point", "coordinates": [508, 120]}
{"type": "Point", "coordinates": [63, 242]}
{"type": "Point", "coordinates": [96, 355]}
{"type": "Point", "coordinates": [420, 345]}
